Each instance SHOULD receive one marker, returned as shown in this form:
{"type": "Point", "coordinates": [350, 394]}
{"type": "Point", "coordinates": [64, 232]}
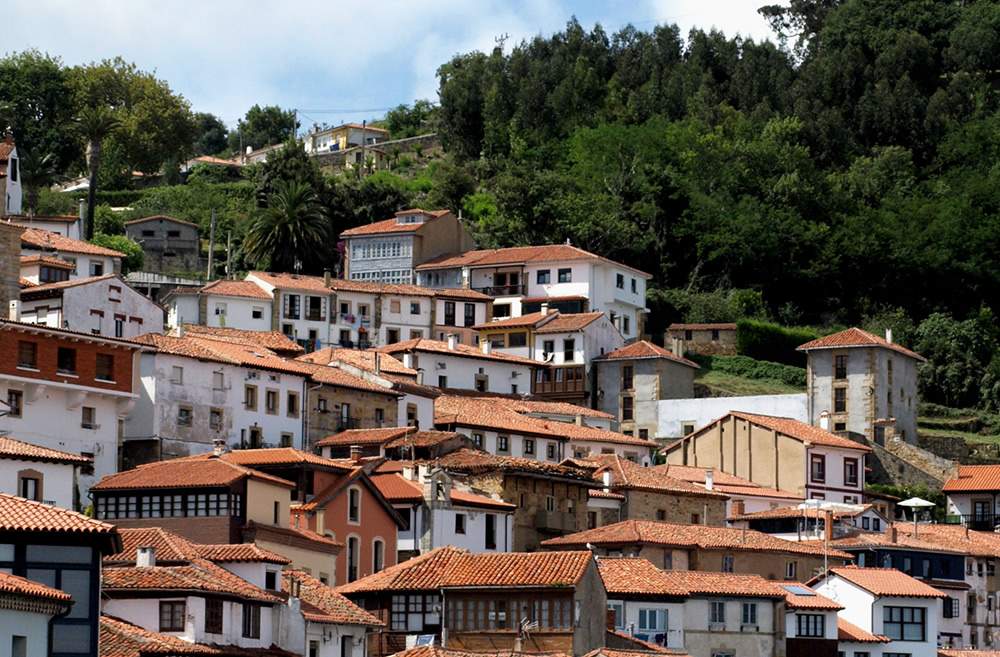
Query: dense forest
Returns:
{"type": "Point", "coordinates": [845, 175]}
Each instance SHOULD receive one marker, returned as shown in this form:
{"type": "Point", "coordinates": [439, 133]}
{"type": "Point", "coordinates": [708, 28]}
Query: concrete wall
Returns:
{"type": "Point", "coordinates": [731, 638]}
{"type": "Point", "coordinates": [590, 600]}
{"type": "Point", "coordinates": [145, 613]}
{"type": "Point", "coordinates": [31, 627]}
{"type": "Point", "coordinates": [261, 500]}
{"type": "Point", "coordinates": [653, 379]}
{"type": "Point", "coordinates": [235, 312]}
{"type": "Point", "coordinates": [56, 480]}
{"type": "Point", "coordinates": [10, 265]}
{"type": "Point", "coordinates": [673, 414]}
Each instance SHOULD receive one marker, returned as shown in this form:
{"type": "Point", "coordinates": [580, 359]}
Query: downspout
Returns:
{"type": "Point", "coordinates": [306, 438]}
{"type": "Point", "coordinates": [60, 615]}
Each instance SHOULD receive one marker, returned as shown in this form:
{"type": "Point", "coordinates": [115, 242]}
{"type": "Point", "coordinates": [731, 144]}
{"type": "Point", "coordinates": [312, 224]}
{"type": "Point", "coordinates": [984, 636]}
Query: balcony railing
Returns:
{"type": "Point", "coordinates": [501, 290]}
{"type": "Point", "coordinates": [975, 521]}
{"type": "Point", "coordinates": [555, 521]}
{"type": "Point", "coordinates": [345, 423]}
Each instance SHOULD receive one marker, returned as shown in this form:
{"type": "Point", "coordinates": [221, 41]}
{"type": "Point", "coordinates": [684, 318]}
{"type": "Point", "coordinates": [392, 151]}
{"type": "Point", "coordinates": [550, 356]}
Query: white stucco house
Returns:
{"type": "Point", "coordinates": [222, 303]}
{"type": "Point", "coordinates": [39, 473]}
{"type": "Point", "coordinates": [88, 259]}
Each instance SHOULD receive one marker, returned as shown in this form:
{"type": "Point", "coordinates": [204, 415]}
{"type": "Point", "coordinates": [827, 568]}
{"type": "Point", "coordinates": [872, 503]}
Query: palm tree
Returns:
{"type": "Point", "coordinates": [96, 124]}
{"type": "Point", "coordinates": [37, 171]}
{"type": "Point", "coordinates": [395, 151]}
{"type": "Point", "coordinates": [369, 164]}
{"type": "Point", "coordinates": [293, 227]}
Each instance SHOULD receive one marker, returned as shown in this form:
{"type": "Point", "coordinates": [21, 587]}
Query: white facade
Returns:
{"type": "Point", "coordinates": [186, 402]}
{"type": "Point", "coordinates": [647, 620]}
{"type": "Point", "coordinates": [27, 629]}
{"type": "Point", "coordinates": [12, 181]}
{"type": "Point", "coordinates": [539, 448]}
{"type": "Point", "coordinates": [678, 417]}
{"type": "Point", "coordinates": [835, 485]}
{"type": "Point", "coordinates": [55, 480]}
{"type": "Point", "coordinates": [386, 318]}
{"type": "Point", "coordinates": [303, 313]}
{"type": "Point", "coordinates": [463, 372]}
{"type": "Point", "coordinates": [867, 611]}
{"type": "Point", "coordinates": [182, 308]}
{"type": "Point", "coordinates": [102, 306]}
{"type": "Point", "coordinates": [236, 312]}
{"type": "Point", "coordinates": [829, 623]}
{"type": "Point", "coordinates": [705, 634]}
{"type": "Point", "coordinates": [87, 264]}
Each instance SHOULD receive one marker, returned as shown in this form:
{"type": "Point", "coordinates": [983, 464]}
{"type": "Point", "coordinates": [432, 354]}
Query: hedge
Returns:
{"type": "Point", "coordinates": [749, 368]}
{"type": "Point", "coordinates": [771, 342]}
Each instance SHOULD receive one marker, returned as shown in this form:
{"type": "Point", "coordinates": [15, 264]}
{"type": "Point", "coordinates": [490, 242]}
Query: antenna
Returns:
{"type": "Point", "coordinates": [501, 40]}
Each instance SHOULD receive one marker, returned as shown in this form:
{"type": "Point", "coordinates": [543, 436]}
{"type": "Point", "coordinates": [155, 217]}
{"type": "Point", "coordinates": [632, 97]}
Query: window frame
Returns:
{"type": "Point", "coordinates": [888, 625]}
{"type": "Point", "coordinates": [810, 625]}
{"type": "Point", "coordinates": [213, 616]}
{"type": "Point", "coordinates": [814, 460]}
{"type": "Point", "coordinates": [172, 617]}
{"type": "Point", "coordinates": [251, 620]}
{"type": "Point", "coordinates": [564, 275]}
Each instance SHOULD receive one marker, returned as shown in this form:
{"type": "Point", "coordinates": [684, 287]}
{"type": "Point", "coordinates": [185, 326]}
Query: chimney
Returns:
{"type": "Point", "coordinates": [218, 447]}
{"type": "Point", "coordinates": [709, 480]}
{"type": "Point", "coordinates": [678, 347]}
{"type": "Point", "coordinates": [9, 136]}
{"type": "Point", "coordinates": [83, 206]}
{"type": "Point", "coordinates": [378, 363]}
{"type": "Point", "coordinates": [518, 644]}
{"type": "Point", "coordinates": [408, 360]}
{"type": "Point", "coordinates": [487, 346]}
{"type": "Point", "coordinates": [326, 277]}
{"type": "Point", "coordinates": [145, 556]}
{"type": "Point", "coordinates": [609, 620]}
{"type": "Point", "coordinates": [452, 341]}
{"type": "Point", "coordinates": [888, 335]}
{"type": "Point", "coordinates": [828, 525]}
{"type": "Point", "coordinates": [608, 480]}
{"type": "Point", "coordinates": [545, 308]}
{"type": "Point", "coordinates": [180, 326]}
{"type": "Point", "coordinates": [890, 533]}
{"type": "Point", "coordinates": [954, 469]}
{"type": "Point", "coordinates": [824, 420]}
{"type": "Point", "coordinates": [14, 312]}
{"type": "Point", "coordinates": [356, 453]}
{"type": "Point", "coordinates": [579, 420]}
{"type": "Point", "coordinates": [738, 508]}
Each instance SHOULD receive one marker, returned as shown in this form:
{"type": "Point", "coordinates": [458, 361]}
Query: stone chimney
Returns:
{"type": "Point", "coordinates": [356, 453]}
{"type": "Point", "coordinates": [709, 480]}
{"type": "Point", "coordinates": [738, 508]}
{"type": "Point", "coordinates": [378, 363]}
{"type": "Point", "coordinates": [677, 347]}
{"type": "Point", "coordinates": [824, 420]}
{"type": "Point", "coordinates": [487, 346]}
{"type": "Point", "coordinates": [145, 556]}
{"type": "Point", "coordinates": [452, 341]}
{"type": "Point", "coordinates": [609, 620]}
{"type": "Point", "coordinates": [326, 277]}
{"type": "Point", "coordinates": [9, 136]}
{"type": "Point", "coordinates": [828, 524]}
{"type": "Point", "coordinates": [888, 335]}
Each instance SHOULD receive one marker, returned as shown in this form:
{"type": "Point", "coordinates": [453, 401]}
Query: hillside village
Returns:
{"type": "Point", "coordinates": [451, 452]}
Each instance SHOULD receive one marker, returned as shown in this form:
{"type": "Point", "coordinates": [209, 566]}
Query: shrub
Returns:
{"type": "Point", "coordinates": [772, 342]}
{"type": "Point", "coordinates": [749, 368]}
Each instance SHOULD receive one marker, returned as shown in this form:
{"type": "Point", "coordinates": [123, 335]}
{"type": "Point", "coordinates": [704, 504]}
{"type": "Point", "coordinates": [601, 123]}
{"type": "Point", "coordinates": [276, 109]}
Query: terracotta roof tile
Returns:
{"type": "Point", "coordinates": [224, 350]}
{"type": "Point", "coordinates": [291, 536]}
{"type": "Point", "coordinates": [229, 288]}
{"type": "Point", "coordinates": [325, 604]}
{"type": "Point", "coordinates": [331, 490]}
{"type": "Point", "coordinates": [627, 475]}
{"type": "Point", "coordinates": [271, 456]}
{"type": "Point", "coordinates": [122, 639]}
{"type": "Point", "coordinates": [364, 437]}
{"type": "Point", "coordinates": [75, 282]}
{"type": "Point", "coordinates": [425, 572]}
{"type": "Point", "coordinates": [363, 360]}
{"type": "Point", "coordinates": [335, 376]}
{"type": "Point", "coordinates": [855, 337]}
{"type": "Point", "coordinates": [459, 293]}
{"type": "Point", "coordinates": [5, 150]}
{"type": "Point", "coordinates": [46, 260]}
{"type": "Point", "coordinates": [648, 532]}
{"type": "Point", "coordinates": [795, 598]}
{"type": "Point", "coordinates": [161, 216]}
{"type": "Point", "coordinates": [200, 575]}
{"type": "Point", "coordinates": [46, 240]}
{"type": "Point", "coordinates": [240, 552]}
{"type": "Point", "coordinates": [290, 281]}
{"type": "Point", "coordinates": [885, 581]}
{"type": "Point", "coordinates": [847, 631]}
{"type": "Point", "coordinates": [796, 512]}
{"type": "Point", "coordinates": [517, 255]}
{"type": "Point", "coordinates": [974, 478]}
{"type": "Point", "coordinates": [597, 492]}
{"type": "Point", "coordinates": [25, 283]}
{"type": "Point", "coordinates": [473, 462]}
{"type": "Point", "coordinates": [10, 448]}
{"type": "Point", "coordinates": [168, 546]}
{"type": "Point", "coordinates": [646, 649]}
{"type": "Point", "coordinates": [454, 410]}
{"type": "Point", "coordinates": [274, 340]}
{"type": "Point", "coordinates": [393, 226]}
{"type": "Point", "coordinates": [19, 514]}
{"type": "Point", "coordinates": [464, 498]}
{"type": "Point", "coordinates": [724, 482]}
{"type": "Point", "coordinates": [724, 326]}
{"type": "Point", "coordinates": [645, 349]}
{"type": "Point", "coordinates": [954, 538]}
{"type": "Point", "coordinates": [961, 652]}
{"type": "Point", "coordinates": [635, 576]}
{"type": "Point", "coordinates": [797, 430]}
{"type": "Point", "coordinates": [369, 287]}
{"type": "Point", "coordinates": [516, 569]}
{"type": "Point", "coordinates": [12, 584]}
{"type": "Point", "coordinates": [530, 319]}
{"type": "Point", "coordinates": [705, 583]}
{"type": "Point", "coordinates": [428, 346]}
{"type": "Point", "coordinates": [423, 439]}
{"type": "Point", "coordinates": [580, 432]}
{"type": "Point", "coordinates": [184, 473]}
{"type": "Point", "coordinates": [398, 489]}
{"type": "Point", "coordinates": [438, 651]}
{"type": "Point", "coordinates": [544, 407]}
{"type": "Point", "coordinates": [568, 322]}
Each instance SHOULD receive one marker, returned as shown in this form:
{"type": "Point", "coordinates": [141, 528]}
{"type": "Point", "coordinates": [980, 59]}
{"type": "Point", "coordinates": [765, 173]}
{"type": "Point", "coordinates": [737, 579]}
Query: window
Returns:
{"type": "Point", "coordinates": [184, 416]}
{"type": "Point", "coordinates": [257, 312]}
{"type": "Point", "coordinates": [66, 361]}
{"type": "Point", "coordinates": [105, 367]}
{"type": "Point", "coordinates": [749, 616]}
{"type": "Point", "coordinates": [271, 402]}
{"type": "Point", "coordinates": [213, 616]}
{"type": "Point", "coordinates": [353, 549]}
{"type": "Point", "coordinates": [876, 525]}
{"type": "Point", "coordinates": [840, 367]}
{"type": "Point", "coordinates": [790, 570]}
{"type": "Point", "coordinates": [626, 327]}
{"type": "Point", "coordinates": [177, 375]}
{"type": "Point", "coordinates": [550, 452]}
{"type": "Point", "coordinates": [15, 403]}
{"type": "Point", "coordinates": [635, 289]}
{"type": "Point", "coordinates": [172, 616]}
{"type": "Point", "coordinates": [627, 377]}
{"type": "Point", "coordinates": [215, 418]}
{"type": "Point", "coordinates": [549, 347]}
{"type": "Point", "coordinates": [517, 340]}
{"type": "Point", "coordinates": [569, 349]}
{"type": "Point", "coordinates": [251, 621]}
{"type": "Point", "coordinates": [503, 443]}
{"type": "Point", "coordinates": [817, 467]}
{"type": "Point", "coordinates": [470, 314]}
{"type": "Point", "coordinates": [951, 608]}
{"type": "Point", "coordinates": [544, 276]}
{"type": "Point", "coordinates": [628, 409]}
{"type": "Point", "coordinates": [661, 515]}
{"type": "Point", "coordinates": [442, 382]}
{"type": "Point", "coordinates": [717, 613]}
{"type": "Point", "coordinates": [459, 523]}
{"type": "Point", "coordinates": [491, 531]}
{"type": "Point", "coordinates": [620, 281]}
{"type": "Point", "coordinates": [27, 355]}
{"type": "Point", "coordinates": [88, 417]}
{"type": "Point", "coordinates": [96, 268]}
{"type": "Point", "coordinates": [354, 505]}
{"type": "Point", "coordinates": [850, 472]}
{"type": "Point", "coordinates": [728, 563]}
{"type": "Point", "coordinates": [478, 439]}
{"type": "Point", "coordinates": [286, 440]}
{"type": "Point", "coordinates": [30, 488]}
{"type": "Point", "coordinates": [414, 307]}
{"type": "Point", "coordinates": [449, 313]}
{"type": "Point", "coordinates": [904, 623]}
{"type": "Point", "coordinates": [378, 555]}
{"type": "Point", "coordinates": [529, 446]}
{"type": "Point", "coordinates": [292, 304]}
{"type": "Point", "coordinates": [840, 400]}
{"type": "Point", "coordinates": [652, 620]}
{"type": "Point", "coordinates": [565, 275]}
{"type": "Point", "coordinates": [394, 306]}
{"type": "Point", "coordinates": [810, 625]}
{"type": "Point", "coordinates": [379, 416]}
{"type": "Point", "coordinates": [220, 309]}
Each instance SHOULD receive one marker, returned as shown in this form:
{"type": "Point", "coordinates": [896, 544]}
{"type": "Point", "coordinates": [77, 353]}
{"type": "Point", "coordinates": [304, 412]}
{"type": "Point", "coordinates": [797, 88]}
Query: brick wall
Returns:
{"type": "Point", "coordinates": [47, 351]}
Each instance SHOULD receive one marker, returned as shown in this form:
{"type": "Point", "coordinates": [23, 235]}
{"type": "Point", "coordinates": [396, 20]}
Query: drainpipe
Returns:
{"type": "Point", "coordinates": [306, 438]}
{"type": "Point", "coordinates": [62, 614]}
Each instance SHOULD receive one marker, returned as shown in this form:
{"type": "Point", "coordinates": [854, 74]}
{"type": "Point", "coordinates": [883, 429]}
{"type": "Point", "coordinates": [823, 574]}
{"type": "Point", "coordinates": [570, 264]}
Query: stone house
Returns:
{"type": "Point", "coordinates": [169, 244]}
{"type": "Point", "coordinates": [632, 379]}
{"type": "Point", "coordinates": [744, 495]}
{"type": "Point", "coordinates": [862, 383]}
{"type": "Point", "coordinates": [706, 339]}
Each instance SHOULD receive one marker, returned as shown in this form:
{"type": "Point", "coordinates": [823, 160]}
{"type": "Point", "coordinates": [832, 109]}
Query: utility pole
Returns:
{"type": "Point", "coordinates": [211, 248]}
{"type": "Point", "coordinates": [229, 255]}
{"type": "Point", "coordinates": [364, 132]}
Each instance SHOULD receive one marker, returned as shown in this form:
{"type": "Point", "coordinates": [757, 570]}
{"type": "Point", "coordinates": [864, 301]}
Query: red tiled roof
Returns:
{"type": "Point", "coordinates": [363, 360]}
{"type": "Point", "coordinates": [648, 532]}
{"type": "Point", "coordinates": [461, 293]}
{"type": "Point", "coordinates": [331, 490]}
{"type": "Point", "coordinates": [200, 575]}
{"type": "Point", "coordinates": [274, 340]}
{"type": "Point", "coordinates": [5, 150]}
{"type": "Point", "coordinates": [363, 437]}
{"type": "Point", "coordinates": [12, 584]}
{"type": "Point", "coordinates": [398, 489]}
{"type": "Point", "coordinates": [208, 159]}
{"type": "Point", "coordinates": [516, 569]}
{"type": "Point", "coordinates": [168, 546]}
{"type": "Point", "coordinates": [25, 283]}
{"type": "Point", "coordinates": [184, 473]}
{"type": "Point", "coordinates": [645, 349]}
{"type": "Point", "coordinates": [795, 600]}
{"type": "Point", "coordinates": [973, 478]}
{"type": "Point", "coordinates": [10, 448]}
{"type": "Point", "coordinates": [370, 287]}
{"type": "Point", "coordinates": [531, 319]}
{"type": "Point", "coordinates": [879, 539]}
{"type": "Point", "coordinates": [46, 260]}
{"type": "Point", "coordinates": [393, 226]}
{"type": "Point", "coordinates": [463, 498]}
{"type": "Point", "coordinates": [797, 430]}
{"type": "Point", "coordinates": [273, 456]}
{"type": "Point", "coordinates": [19, 514]}
{"type": "Point", "coordinates": [474, 462]}
{"type": "Point", "coordinates": [312, 541]}
{"type": "Point", "coordinates": [438, 651]}
{"type": "Point", "coordinates": [426, 345]}
{"type": "Point", "coordinates": [46, 240]}
{"type": "Point", "coordinates": [855, 337]}
{"type": "Point", "coordinates": [479, 412]}
{"type": "Point", "coordinates": [324, 605]}
{"type": "Point", "coordinates": [423, 439]}
{"type": "Point", "coordinates": [724, 326]}
{"type": "Point", "coordinates": [705, 583]}
{"type": "Point", "coordinates": [723, 481]}
{"type": "Point", "coordinates": [954, 538]}
{"type": "Point", "coordinates": [74, 282]}
{"type": "Point", "coordinates": [582, 432]}
{"type": "Point", "coordinates": [369, 129]}
{"type": "Point", "coordinates": [568, 322]}
{"type": "Point", "coordinates": [597, 492]}
{"type": "Point", "coordinates": [627, 475]}
{"type": "Point", "coordinates": [229, 288]}
{"type": "Point", "coordinates": [635, 576]}
{"type": "Point", "coordinates": [517, 255]}
{"type": "Point", "coordinates": [223, 350]}
{"type": "Point", "coordinates": [644, 649]}
{"type": "Point", "coordinates": [796, 512]}
{"type": "Point", "coordinates": [240, 552]}
{"type": "Point", "coordinates": [425, 572]}
{"type": "Point", "coordinates": [847, 631]}
{"type": "Point", "coordinates": [543, 407]}
{"type": "Point", "coordinates": [122, 639]}
{"type": "Point", "coordinates": [290, 281]}
{"type": "Point", "coordinates": [962, 652]}
{"type": "Point", "coordinates": [885, 581]}
{"type": "Point", "coordinates": [161, 216]}
{"type": "Point", "coordinates": [334, 376]}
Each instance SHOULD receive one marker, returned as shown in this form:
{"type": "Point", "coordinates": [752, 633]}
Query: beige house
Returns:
{"type": "Point", "coordinates": [707, 339]}
{"type": "Point", "coordinates": [779, 453]}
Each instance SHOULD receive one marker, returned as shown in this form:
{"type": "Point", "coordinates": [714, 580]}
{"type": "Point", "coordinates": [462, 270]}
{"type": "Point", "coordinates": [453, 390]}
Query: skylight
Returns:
{"type": "Point", "coordinates": [798, 590]}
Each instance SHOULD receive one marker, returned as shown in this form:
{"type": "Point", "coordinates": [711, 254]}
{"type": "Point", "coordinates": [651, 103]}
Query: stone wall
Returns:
{"type": "Point", "coordinates": [643, 505]}
{"type": "Point", "coordinates": [903, 468]}
{"type": "Point", "coordinates": [10, 265]}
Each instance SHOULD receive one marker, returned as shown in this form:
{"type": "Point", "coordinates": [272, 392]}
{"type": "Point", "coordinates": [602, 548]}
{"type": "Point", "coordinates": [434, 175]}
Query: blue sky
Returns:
{"type": "Point", "coordinates": [357, 59]}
